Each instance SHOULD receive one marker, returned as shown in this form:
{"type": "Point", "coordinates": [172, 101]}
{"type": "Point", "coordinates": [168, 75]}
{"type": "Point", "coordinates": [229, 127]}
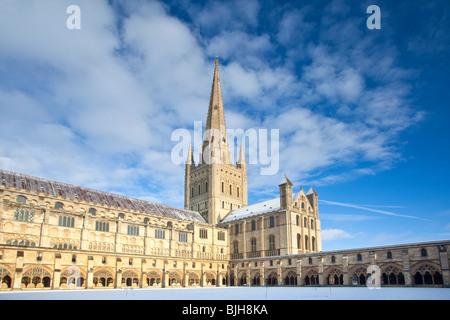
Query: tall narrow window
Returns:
{"type": "Point", "coordinates": [253, 247]}
{"type": "Point", "coordinates": [231, 190]}
{"type": "Point", "coordinates": [271, 242]}
{"type": "Point", "coordinates": [253, 225]}
{"type": "Point", "coordinates": [235, 247]}
{"type": "Point", "coordinates": [237, 190]}
{"type": "Point", "coordinates": [222, 187]}
{"type": "Point", "coordinates": [299, 241]}
{"type": "Point", "coordinates": [272, 222]}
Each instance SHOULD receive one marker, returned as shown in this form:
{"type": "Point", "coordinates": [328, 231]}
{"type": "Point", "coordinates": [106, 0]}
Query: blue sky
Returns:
{"type": "Point", "coordinates": [362, 114]}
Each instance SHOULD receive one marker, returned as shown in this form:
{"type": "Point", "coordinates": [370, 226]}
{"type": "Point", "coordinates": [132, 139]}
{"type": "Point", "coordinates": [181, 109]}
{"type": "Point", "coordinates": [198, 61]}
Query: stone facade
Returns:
{"type": "Point", "coordinates": [57, 236]}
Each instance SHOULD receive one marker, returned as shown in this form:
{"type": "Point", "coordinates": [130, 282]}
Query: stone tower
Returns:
{"type": "Point", "coordinates": [215, 186]}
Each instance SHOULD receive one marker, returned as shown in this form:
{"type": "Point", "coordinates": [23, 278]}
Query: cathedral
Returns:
{"type": "Point", "coordinates": [56, 236]}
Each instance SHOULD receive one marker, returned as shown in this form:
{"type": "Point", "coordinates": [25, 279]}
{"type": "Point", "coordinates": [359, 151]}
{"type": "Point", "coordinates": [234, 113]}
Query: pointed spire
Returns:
{"type": "Point", "coordinates": [216, 114]}
{"type": "Point", "coordinates": [285, 181]}
{"type": "Point", "coordinates": [215, 129]}
{"type": "Point", "coordinates": [190, 157]}
{"type": "Point", "coordinates": [311, 191]}
{"type": "Point", "coordinates": [241, 159]}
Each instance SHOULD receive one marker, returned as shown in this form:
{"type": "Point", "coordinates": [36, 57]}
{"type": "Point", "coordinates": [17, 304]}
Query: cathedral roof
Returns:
{"type": "Point", "coordinates": [40, 185]}
{"type": "Point", "coordinates": [253, 210]}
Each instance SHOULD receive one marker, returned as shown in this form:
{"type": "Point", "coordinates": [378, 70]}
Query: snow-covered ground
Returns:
{"type": "Point", "coordinates": [237, 293]}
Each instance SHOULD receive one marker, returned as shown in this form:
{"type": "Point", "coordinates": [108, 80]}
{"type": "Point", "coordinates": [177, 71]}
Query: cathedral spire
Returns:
{"type": "Point", "coordinates": [215, 129]}
{"type": "Point", "coordinates": [216, 114]}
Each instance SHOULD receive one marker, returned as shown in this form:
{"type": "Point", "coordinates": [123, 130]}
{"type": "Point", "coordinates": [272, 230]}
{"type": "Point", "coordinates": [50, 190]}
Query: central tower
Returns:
{"type": "Point", "coordinates": [215, 186]}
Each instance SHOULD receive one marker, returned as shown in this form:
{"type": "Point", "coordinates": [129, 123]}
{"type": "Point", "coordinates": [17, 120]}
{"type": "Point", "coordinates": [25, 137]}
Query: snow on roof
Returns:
{"type": "Point", "coordinates": [40, 185]}
{"type": "Point", "coordinates": [253, 210]}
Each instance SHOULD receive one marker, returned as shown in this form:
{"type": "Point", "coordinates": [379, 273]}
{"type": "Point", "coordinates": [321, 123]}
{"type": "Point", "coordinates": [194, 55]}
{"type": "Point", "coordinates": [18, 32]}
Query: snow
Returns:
{"type": "Point", "coordinates": [236, 293]}
{"type": "Point", "coordinates": [253, 210]}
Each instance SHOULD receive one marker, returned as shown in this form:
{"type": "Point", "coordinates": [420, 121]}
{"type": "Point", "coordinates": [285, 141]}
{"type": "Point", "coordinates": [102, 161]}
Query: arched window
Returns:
{"type": "Point", "coordinates": [306, 243]}
{"type": "Point", "coordinates": [92, 211]}
{"type": "Point", "coordinates": [21, 199]}
{"type": "Point", "coordinates": [236, 228]}
{"type": "Point", "coordinates": [122, 216]}
{"type": "Point", "coordinates": [299, 241]}
{"type": "Point", "coordinates": [333, 259]}
{"type": "Point", "coordinates": [359, 257]}
{"type": "Point", "coordinates": [313, 244]}
{"type": "Point", "coordinates": [423, 252]}
{"type": "Point", "coordinates": [312, 224]}
{"type": "Point", "coordinates": [389, 255]}
{"type": "Point", "coordinates": [59, 205]}
{"type": "Point", "coordinates": [305, 223]}
{"type": "Point", "coordinates": [297, 220]}
{"type": "Point", "coordinates": [253, 225]}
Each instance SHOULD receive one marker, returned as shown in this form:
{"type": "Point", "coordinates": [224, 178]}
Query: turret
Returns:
{"type": "Point", "coordinates": [285, 193]}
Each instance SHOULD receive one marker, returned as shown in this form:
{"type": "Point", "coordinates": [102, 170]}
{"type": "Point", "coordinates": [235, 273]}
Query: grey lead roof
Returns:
{"type": "Point", "coordinates": [253, 210]}
{"type": "Point", "coordinates": [40, 185]}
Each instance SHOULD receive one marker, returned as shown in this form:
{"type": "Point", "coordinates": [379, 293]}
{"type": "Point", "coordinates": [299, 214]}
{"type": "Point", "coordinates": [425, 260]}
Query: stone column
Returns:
{"type": "Point", "coordinates": [247, 274]}
{"type": "Point", "coordinates": [299, 272]}
{"type": "Point", "coordinates": [443, 258]}
{"type": "Point", "coordinates": [90, 273]}
{"type": "Point", "coordinates": [279, 272]}
{"type": "Point", "coordinates": [345, 271]}
{"type": "Point", "coordinates": [406, 268]}
{"type": "Point", "coordinates": [18, 271]}
{"type": "Point", "coordinates": [320, 269]}
{"type": "Point", "coordinates": [262, 274]}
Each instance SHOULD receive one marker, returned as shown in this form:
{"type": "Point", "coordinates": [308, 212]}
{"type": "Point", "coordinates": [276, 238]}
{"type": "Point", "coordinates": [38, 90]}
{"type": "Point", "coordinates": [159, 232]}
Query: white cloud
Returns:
{"type": "Point", "coordinates": [335, 234]}
{"type": "Point", "coordinates": [97, 106]}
